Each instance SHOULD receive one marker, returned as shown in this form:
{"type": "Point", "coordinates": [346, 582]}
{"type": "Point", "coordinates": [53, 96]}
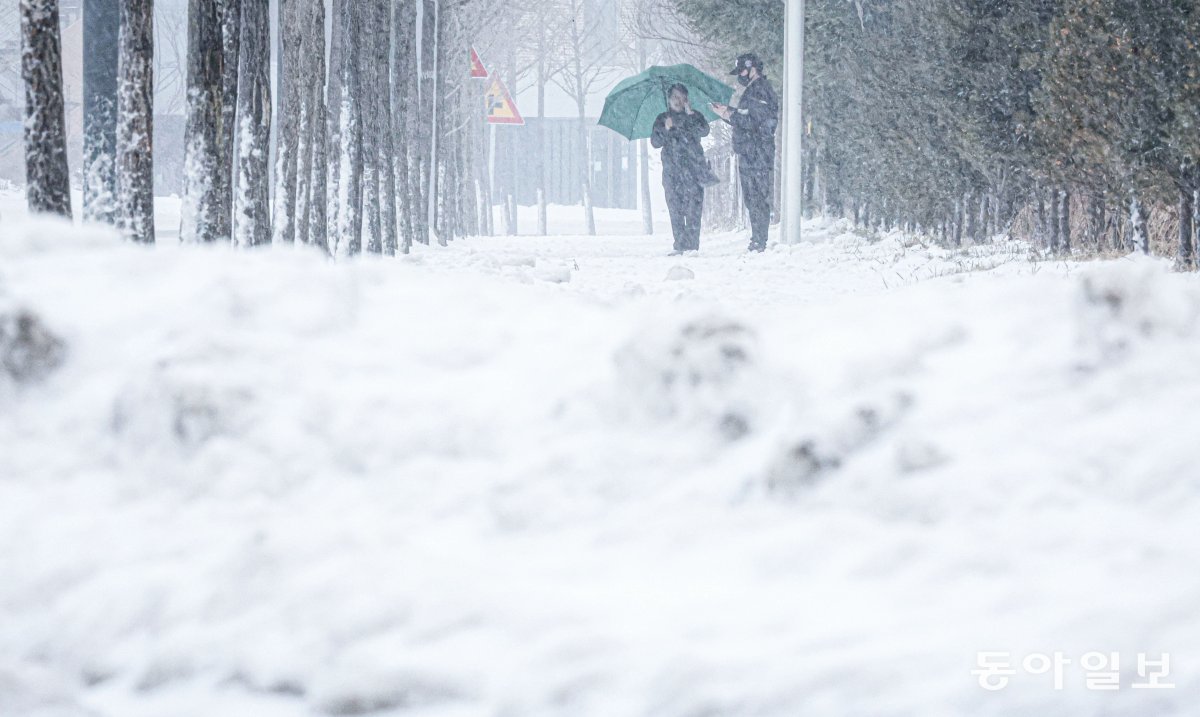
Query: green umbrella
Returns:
{"type": "Point", "coordinates": [631, 108]}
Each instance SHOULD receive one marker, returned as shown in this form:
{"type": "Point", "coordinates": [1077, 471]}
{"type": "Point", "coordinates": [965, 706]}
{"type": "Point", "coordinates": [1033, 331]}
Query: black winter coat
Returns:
{"type": "Point", "coordinates": [682, 155]}
{"type": "Point", "coordinates": [754, 122]}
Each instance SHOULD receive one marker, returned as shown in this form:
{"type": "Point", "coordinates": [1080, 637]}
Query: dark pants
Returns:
{"type": "Point", "coordinates": [685, 200]}
{"type": "Point", "coordinates": [758, 184]}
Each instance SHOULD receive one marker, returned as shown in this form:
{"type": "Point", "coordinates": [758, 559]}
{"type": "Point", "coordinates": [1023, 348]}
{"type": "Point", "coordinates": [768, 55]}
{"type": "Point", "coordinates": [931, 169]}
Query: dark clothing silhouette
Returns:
{"type": "Point", "coordinates": [754, 122]}
{"type": "Point", "coordinates": [684, 173]}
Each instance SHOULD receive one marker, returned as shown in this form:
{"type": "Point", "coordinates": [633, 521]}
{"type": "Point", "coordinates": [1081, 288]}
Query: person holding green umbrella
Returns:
{"type": "Point", "coordinates": [672, 106]}
{"type": "Point", "coordinates": [677, 132]}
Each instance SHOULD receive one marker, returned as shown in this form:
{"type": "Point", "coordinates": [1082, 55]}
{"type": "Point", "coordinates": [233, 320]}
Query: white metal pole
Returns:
{"type": "Point", "coordinates": [793, 119]}
{"type": "Point", "coordinates": [491, 167]}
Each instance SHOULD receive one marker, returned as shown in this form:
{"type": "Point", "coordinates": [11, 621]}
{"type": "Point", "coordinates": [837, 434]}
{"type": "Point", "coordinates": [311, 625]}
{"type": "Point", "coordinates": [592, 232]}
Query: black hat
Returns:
{"type": "Point", "coordinates": [746, 61]}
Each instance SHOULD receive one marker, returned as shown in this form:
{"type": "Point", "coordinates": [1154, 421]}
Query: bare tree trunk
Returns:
{"type": "Point", "coordinates": [441, 151]}
{"type": "Point", "coordinates": [318, 233]}
{"type": "Point", "coordinates": [1064, 216]}
{"type": "Point", "coordinates": [1055, 224]}
{"type": "Point", "coordinates": [47, 178]}
{"type": "Point", "coordinates": [368, 78]}
{"type": "Point", "coordinates": [385, 142]}
{"type": "Point", "coordinates": [101, 29]}
{"type": "Point", "coordinates": [350, 169]}
{"type": "Point", "coordinates": [585, 178]}
{"type": "Point", "coordinates": [251, 206]}
{"type": "Point", "coordinates": [968, 210]}
{"type": "Point", "coordinates": [333, 110]}
{"type": "Point", "coordinates": [231, 22]}
{"type": "Point", "coordinates": [200, 212]}
{"type": "Point", "coordinates": [1195, 215]}
{"type": "Point", "coordinates": [287, 140]}
{"type": "Point", "coordinates": [422, 117]}
{"type": "Point", "coordinates": [1137, 221]}
{"type": "Point", "coordinates": [644, 161]}
{"type": "Point", "coordinates": [958, 224]}
{"type": "Point", "coordinates": [403, 98]}
{"type": "Point", "coordinates": [135, 121]}
{"type": "Point", "coordinates": [984, 220]}
{"type": "Point", "coordinates": [310, 124]}
{"type": "Point", "coordinates": [1187, 246]}
{"type": "Point", "coordinates": [543, 224]}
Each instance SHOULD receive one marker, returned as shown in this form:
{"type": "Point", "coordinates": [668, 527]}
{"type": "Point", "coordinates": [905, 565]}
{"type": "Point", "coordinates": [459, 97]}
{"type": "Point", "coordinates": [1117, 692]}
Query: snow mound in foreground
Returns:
{"type": "Point", "coordinates": [258, 483]}
{"type": "Point", "coordinates": [1133, 302]}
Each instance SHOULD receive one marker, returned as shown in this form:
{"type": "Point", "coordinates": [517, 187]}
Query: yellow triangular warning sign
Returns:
{"type": "Point", "coordinates": [500, 106]}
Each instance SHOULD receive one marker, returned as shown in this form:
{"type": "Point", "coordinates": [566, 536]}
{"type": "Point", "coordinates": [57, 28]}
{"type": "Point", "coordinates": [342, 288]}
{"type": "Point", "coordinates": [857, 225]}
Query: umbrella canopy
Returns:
{"type": "Point", "coordinates": [633, 105]}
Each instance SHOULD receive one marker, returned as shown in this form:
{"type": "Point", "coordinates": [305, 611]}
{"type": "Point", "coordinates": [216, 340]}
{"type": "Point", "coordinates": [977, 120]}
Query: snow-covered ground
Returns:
{"type": "Point", "coordinates": [575, 476]}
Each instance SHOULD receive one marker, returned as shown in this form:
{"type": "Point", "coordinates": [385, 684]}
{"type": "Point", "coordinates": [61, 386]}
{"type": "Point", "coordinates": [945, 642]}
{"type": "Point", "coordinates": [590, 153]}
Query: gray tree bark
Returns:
{"type": "Point", "coordinates": [1187, 246]}
{"type": "Point", "coordinates": [251, 208]}
{"type": "Point", "coordinates": [381, 97]}
{"type": "Point", "coordinates": [350, 169]}
{"type": "Point", "coordinates": [287, 141]}
{"type": "Point", "coordinates": [101, 27]}
{"type": "Point", "coordinates": [403, 102]}
{"type": "Point", "coordinates": [310, 164]}
{"type": "Point", "coordinates": [135, 121]}
{"type": "Point", "coordinates": [200, 213]}
{"type": "Point", "coordinates": [47, 178]}
{"type": "Point", "coordinates": [230, 13]}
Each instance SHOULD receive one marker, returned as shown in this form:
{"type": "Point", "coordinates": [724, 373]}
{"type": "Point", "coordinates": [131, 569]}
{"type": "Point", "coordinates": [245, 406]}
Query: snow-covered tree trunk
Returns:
{"type": "Point", "coordinates": [1187, 247]}
{"type": "Point", "coordinates": [230, 12]}
{"type": "Point", "coordinates": [311, 126]}
{"type": "Point", "coordinates": [442, 150]}
{"type": "Point", "coordinates": [957, 224]}
{"type": "Point", "coordinates": [1195, 219]}
{"type": "Point", "coordinates": [251, 208]}
{"type": "Point", "coordinates": [349, 150]}
{"type": "Point", "coordinates": [101, 25]}
{"type": "Point", "coordinates": [585, 147]}
{"type": "Point", "coordinates": [1137, 222]}
{"type": "Point", "coordinates": [967, 204]}
{"type": "Point", "coordinates": [374, 93]}
{"type": "Point", "coordinates": [422, 117]}
{"type": "Point", "coordinates": [543, 226]}
{"type": "Point", "coordinates": [199, 214]}
{"type": "Point", "coordinates": [318, 234]}
{"type": "Point", "coordinates": [381, 97]}
{"type": "Point", "coordinates": [135, 121]}
{"type": "Point", "coordinates": [404, 100]}
{"type": "Point", "coordinates": [333, 118]}
{"type": "Point", "coordinates": [287, 141]}
{"type": "Point", "coordinates": [437, 161]}
{"type": "Point", "coordinates": [1064, 219]}
{"type": "Point", "coordinates": [47, 179]}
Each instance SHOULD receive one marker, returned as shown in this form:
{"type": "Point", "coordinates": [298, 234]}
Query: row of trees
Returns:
{"type": "Point", "coordinates": [1071, 122]}
{"type": "Point", "coordinates": [379, 136]}
{"type": "Point", "coordinates": [356, 138]}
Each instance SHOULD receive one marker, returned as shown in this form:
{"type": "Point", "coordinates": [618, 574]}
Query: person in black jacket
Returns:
{"type": "Point", "coordinates": [754, 122]}
{"type": "Point", "coordinates": [677, 133]}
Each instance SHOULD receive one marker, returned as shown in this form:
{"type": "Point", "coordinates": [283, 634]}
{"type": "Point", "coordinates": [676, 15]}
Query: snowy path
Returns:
{"type": "Point", "coordinates": [533, 477]}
